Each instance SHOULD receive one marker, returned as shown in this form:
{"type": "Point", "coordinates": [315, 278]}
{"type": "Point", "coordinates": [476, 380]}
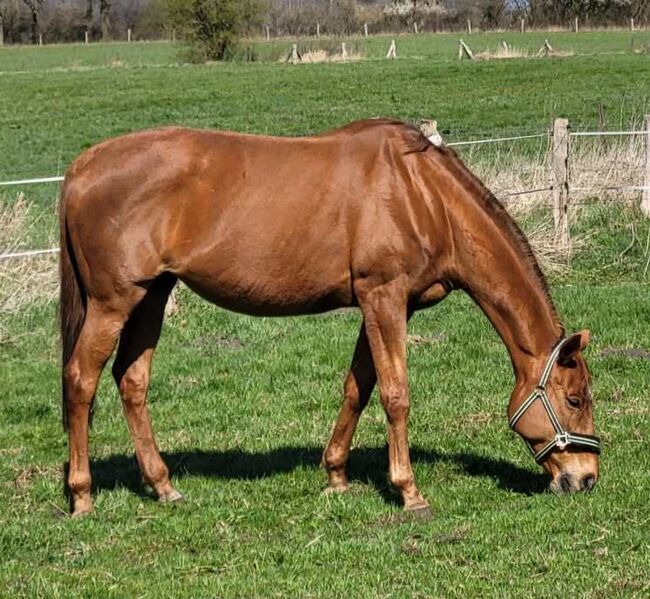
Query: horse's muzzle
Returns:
{"type": "Point", "coordinates": [568, 483]}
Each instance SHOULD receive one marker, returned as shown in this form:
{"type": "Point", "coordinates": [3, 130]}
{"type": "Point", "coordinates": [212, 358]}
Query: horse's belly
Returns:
{"type": "Point", "coordinates": [268, 295]}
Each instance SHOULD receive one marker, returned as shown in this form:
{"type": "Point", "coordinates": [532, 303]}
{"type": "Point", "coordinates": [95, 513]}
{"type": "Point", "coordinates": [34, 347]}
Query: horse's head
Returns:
{"type": "Point", "coordinates": [556, 420]}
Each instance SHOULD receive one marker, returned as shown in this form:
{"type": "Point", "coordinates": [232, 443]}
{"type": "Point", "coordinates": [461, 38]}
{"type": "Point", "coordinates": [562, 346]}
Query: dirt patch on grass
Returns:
{"type": "Point", "coordinates": [210, 342]}
{"type": "Point", "coordinates": [622, 352]}
{"type": "Point", "coordinates": [426, 339]}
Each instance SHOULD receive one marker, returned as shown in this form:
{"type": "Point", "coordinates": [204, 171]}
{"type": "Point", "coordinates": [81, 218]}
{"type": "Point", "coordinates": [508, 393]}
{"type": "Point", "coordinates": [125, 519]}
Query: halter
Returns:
{"type": "Point", "coordinates": [562, 437]}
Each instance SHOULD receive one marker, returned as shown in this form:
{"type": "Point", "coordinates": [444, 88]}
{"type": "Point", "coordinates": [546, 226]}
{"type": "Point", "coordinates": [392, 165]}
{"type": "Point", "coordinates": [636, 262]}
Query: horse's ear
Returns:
{"type": "Point", "coordinates": [574, 344]}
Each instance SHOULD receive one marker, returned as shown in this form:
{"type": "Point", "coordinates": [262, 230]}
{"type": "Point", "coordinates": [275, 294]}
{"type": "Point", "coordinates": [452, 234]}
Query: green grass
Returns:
{"type": "Point", "coordinates": [242, 407]}
{"type": "Point", "coordinates": [48, 116]}
{"type": "Point", "coordinates": [243, 423]}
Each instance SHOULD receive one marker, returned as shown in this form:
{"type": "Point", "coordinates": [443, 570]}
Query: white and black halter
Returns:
{"type": "Point", "coordinates": [562, 438]}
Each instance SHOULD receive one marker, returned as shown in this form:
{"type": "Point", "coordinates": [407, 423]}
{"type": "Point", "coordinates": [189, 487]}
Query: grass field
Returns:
{"type": "Point", "coordinates": [243, 407]}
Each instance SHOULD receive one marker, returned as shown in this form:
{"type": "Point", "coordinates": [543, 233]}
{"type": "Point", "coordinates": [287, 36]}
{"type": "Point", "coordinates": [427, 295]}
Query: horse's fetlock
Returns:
{"type": "Point", "coordinates": [79, 483]}
{"type": "Point", "coordinates": [334, 458]}
{"type": "Point", "coordinates": [402, 482]}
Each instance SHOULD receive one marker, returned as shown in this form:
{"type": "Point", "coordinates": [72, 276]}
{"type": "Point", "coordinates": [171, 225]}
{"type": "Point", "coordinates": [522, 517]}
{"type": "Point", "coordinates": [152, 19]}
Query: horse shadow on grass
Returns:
{"type": "Point", "coordinates": [366, 465]}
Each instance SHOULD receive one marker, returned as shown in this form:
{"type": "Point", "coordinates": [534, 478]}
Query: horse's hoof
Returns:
{"type": "Point", "coordinates": [420, 512]}
{"type": "Point", "coordinates": [81, 512]}
{"type": "Point", "coordinates": [171, 497]}
{"type": "Point", "coordinates": [336, 489]}
{"type": "Point", "coordinates": [82, 506]}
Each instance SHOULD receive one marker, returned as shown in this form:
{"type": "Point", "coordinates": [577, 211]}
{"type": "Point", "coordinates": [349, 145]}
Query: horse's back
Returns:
{"type": "Point", "coordinates": [256, 223]}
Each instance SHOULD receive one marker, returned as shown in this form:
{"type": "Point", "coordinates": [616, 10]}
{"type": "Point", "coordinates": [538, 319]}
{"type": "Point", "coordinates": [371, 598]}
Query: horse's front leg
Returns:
{"type": "Point", "coordinates": [385, 313]}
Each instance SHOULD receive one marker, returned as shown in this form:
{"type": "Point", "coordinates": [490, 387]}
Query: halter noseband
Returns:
{"type": "Point", "coordinates": [562, 438]}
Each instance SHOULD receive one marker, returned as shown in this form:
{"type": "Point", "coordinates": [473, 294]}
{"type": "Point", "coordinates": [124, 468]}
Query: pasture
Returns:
{"type": "Point", "coordinates": [243, 407]}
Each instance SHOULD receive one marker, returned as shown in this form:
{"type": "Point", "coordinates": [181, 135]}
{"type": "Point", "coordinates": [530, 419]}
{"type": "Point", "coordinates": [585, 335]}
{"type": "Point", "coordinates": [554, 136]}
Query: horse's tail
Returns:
{"type": "Point", "coordinates": [72, 299]}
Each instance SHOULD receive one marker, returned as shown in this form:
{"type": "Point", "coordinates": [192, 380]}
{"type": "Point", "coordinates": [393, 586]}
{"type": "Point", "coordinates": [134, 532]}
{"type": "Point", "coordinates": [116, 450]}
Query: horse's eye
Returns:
{"type": "Point", "coordinates": [574, 401]}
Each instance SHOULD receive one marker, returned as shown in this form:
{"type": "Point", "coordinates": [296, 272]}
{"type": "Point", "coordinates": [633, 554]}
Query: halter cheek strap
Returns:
{"type": "Point", "coordinates": [562, 437]}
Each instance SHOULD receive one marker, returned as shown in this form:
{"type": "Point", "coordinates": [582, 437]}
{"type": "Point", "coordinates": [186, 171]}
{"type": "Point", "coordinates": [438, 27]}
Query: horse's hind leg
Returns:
{"type": "Point", "coordinates": [357, 389]}
{"type": "Point", "coordinates": [80, 377]}
{"type": "Point", "coordinates": [131, 371]}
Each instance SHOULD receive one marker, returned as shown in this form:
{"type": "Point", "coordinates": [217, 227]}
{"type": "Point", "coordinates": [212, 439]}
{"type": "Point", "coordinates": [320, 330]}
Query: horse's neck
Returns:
{"type": "Point", "coordinates": [499, 275]}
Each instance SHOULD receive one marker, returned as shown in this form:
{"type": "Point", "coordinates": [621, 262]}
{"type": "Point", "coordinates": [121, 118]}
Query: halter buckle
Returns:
{"type": "Point", "coordinates": [562, 440]}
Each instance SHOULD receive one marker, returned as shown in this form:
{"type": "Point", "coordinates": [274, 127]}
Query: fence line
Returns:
{"type": "Point", "coordinates": [561, 159]}
{"type": "Point", "coordinates": [527, 192]}
{"type": "Point", "coordinates": [495, 139]}
{"type": "Point", "coordinates": [604, 133]}
{"type": "Point", "coordinates": [613, 188]}
{"type": "Point", "coordinates": [451, 144]}
{"type": "Point", "coordinates": [28, 253]}
{"type": "Point", "coordinates": [30, 181]}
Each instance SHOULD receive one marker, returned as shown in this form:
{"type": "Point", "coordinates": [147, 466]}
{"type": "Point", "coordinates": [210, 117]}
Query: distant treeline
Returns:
{"type": "Point", "coordinates": [24, 21]}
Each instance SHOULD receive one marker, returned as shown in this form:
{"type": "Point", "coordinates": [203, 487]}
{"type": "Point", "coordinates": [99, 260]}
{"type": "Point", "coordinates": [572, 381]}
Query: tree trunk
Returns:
{"type": "Point", "coordinates": [34, 26]}
{"type": "Point", "coordinates": [104, 8]}
{"type": "Point", "coordinates": [89, 17]}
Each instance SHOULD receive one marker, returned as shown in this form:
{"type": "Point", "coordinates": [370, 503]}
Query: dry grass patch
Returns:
{"type": "Point", "coordinates": [601, 168]}
{"type": "Point", "coordinates": [501, 53]}
{"type": "Point", "coordinates": [23, 281]}
{"type": "Point", "coordinates": [507, 52]}
{"type": "Point", "coordinates": [320, 56]}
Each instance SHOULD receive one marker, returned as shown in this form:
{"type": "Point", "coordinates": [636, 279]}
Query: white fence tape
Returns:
{"type": "Point", "coordinates": [33, 253]}
{"type": "Point", "coordinates": [496, 139]}
{"type": "Point", "coordinates": [602, 133]}
{"type": "Point", "coordinates": [31, 181]}
{"type": "Point", "coordinates": [28, 253]}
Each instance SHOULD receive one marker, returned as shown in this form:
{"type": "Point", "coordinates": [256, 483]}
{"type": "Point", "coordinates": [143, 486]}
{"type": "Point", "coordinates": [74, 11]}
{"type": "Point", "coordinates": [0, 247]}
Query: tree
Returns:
{"type": "Point", "coordinates": [212, 27]}
{"type": "Point", "coordinates": [104, 18]}
{"type": "Point", "coordinates": [35, 9]}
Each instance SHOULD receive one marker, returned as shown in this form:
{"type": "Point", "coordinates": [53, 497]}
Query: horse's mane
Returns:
{"type": "Point", "coordinates": [415, 141]}
{"type": "Point", "coordinates": [495, 209]}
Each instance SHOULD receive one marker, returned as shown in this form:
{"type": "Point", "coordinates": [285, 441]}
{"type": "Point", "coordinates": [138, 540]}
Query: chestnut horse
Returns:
{"type": "Point", "coordinates": [370, 215]}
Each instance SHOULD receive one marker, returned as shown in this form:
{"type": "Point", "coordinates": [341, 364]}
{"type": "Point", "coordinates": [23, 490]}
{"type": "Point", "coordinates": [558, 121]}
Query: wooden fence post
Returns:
{"type": "Point", "coordinates": [173, 35]}
{"type": "Point", "coordinates": [2, 32]}
{"type": "Point", "coordinates": [631, 23]}
{"type": "Point", "coordinates": [523, 25]}
{"type": "Point", "coordinates": [268, 33]}
{"type": "Point", "coordinates": [86, 36]}
{"type": "Point", "coordinates": [128, 35]}
{"type": "Point", "coordinates": [344, 51]}
{"type": "Point", "coordinates": [295, 57]}
{"type": "Point", "coordinates": [318, 30]}
{"type": "Point", "coordinates": [365, 29]}
{"type": "Point", "coordinates": [645, 202]}
{"type": "Point", "coordinates": [392, 50]}
{"type": "Point", "coordinates": [469, 26]}
{"type": "Point", "coordinates": [415, 27]}
{"type": "Point", "coordinates": [575, 26]}
{"type": "Point", "coordinates": [463, 50]}
{"type": "Point", "coordinates": [40, 39]}
{"type": "Point", "coordinates": [561, 183]}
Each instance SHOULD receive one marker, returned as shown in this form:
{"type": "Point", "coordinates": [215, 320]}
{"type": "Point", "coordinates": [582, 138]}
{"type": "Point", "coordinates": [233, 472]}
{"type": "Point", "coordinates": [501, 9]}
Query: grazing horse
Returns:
{"type": "Point", "coordinates": [371, 215]}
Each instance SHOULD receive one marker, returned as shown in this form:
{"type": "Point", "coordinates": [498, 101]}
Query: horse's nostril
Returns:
{"type": "Point", "coordinates": [588, 482]}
